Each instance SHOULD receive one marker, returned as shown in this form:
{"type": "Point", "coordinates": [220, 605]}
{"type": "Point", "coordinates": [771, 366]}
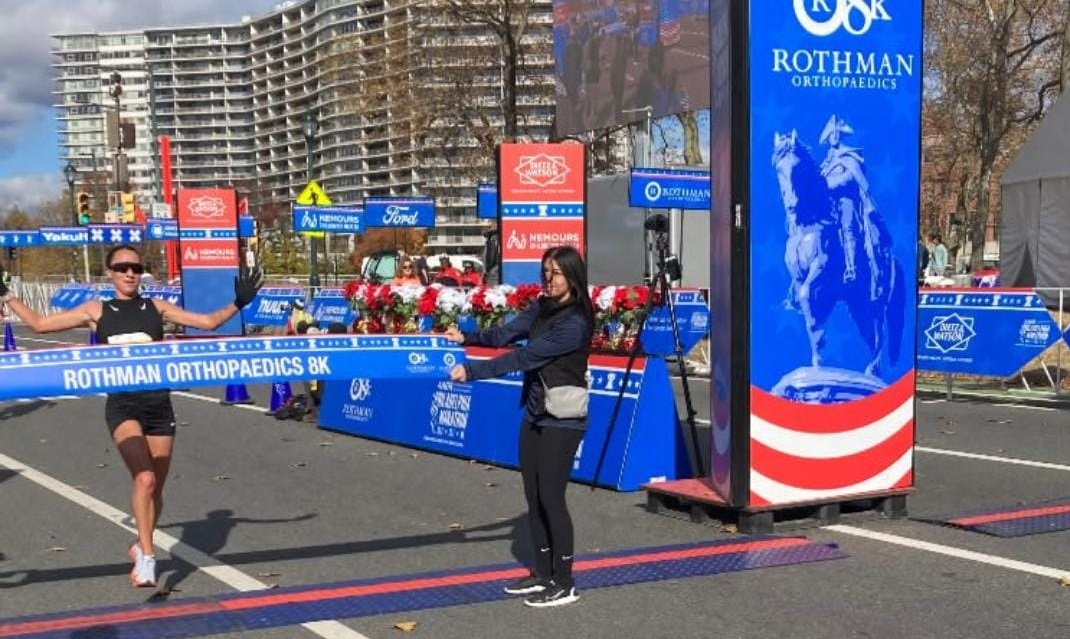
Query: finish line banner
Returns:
{"type": "Point", "coordinates": [90, 370]}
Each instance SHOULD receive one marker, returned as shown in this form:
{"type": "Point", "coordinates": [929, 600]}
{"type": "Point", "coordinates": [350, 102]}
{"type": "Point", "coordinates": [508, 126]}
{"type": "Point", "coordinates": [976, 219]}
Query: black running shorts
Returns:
{"type": "Point", "coordinates": [152, 409]}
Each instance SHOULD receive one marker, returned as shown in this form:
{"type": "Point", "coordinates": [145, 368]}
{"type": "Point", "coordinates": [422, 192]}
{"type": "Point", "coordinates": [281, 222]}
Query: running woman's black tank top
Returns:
{"type": "Point", "coordinates": [133, 321]}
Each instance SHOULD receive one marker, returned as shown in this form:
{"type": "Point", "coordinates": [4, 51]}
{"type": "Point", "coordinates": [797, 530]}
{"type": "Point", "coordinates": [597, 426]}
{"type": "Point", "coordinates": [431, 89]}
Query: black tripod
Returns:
{"type": "Point", "coordinates": [668, 269]}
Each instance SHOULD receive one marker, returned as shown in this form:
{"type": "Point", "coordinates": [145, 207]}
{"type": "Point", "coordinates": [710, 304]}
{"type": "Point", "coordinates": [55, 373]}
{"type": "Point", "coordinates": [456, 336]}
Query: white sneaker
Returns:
{"type": "Point", "coordinates": [554, 595]}
{"type": "Point", "coordinates": [144, 573]}
{"type": "Point", "coordinates": [134, 552]}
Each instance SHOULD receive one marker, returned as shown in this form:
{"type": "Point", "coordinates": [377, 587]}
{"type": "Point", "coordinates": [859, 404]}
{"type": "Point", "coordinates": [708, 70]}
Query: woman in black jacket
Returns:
{"type": "Point", "coordinates": [558, 330]}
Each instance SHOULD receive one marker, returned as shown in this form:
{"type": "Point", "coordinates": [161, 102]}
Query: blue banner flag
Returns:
{"type": "Point", "coordinates": [214, 362]}
{"type": "Point", "coordinates": [172, 294]}
{"type": "Point", "coordinates": [412, 212]}
{"type": "Point", "coordinates": [328, 219]}
{"type": "Point", "coordinates": [487, 202]}
{"type": "Point", "coordinates": [16, 239]}
{"type": "Point", "coordinates": [63, 235]}
{"type": "Point", "coordinates": [246, 226]}
{"type": "Point", "coordinates": [330, 305]}
{"type": "Point", "coordinates": [71, 295]}
{"type": "Point", "coordinates": [982, 332]}
{"type": "Point", "coordinates": [669, 189]}
{"type": "Point", "coordinates": [116, 234]}
{"type": "Point", "coordinates": [162, 229]}
{"type": "Point", "coordinates": [692, 321]}
{"type": "Point", "coordinates": [272, 306]}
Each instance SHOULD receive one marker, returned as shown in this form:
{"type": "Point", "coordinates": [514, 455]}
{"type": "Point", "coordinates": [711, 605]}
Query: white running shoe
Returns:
{"type": "Point", "coordinates": [144, 573]}
{"type": "Point", "coordinates": [134, 552]}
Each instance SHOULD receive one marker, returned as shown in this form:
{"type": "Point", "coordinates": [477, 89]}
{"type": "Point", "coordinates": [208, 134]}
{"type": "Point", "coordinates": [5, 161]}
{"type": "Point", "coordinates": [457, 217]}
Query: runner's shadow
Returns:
{"type": "Point", "coordinates": [19, 409]}
{"type": "Point", "coordinates": [209, 535]}
{"type": "Point", "coordinates": [6, 474]}
{"type": "Point", "coordinates": [514, 529]}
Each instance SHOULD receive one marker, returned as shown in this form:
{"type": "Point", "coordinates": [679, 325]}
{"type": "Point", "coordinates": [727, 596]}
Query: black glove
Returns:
{"type": "Point", "coordinates": [246, 286]}
{"type": "Point", "coordinates": [3, 283]}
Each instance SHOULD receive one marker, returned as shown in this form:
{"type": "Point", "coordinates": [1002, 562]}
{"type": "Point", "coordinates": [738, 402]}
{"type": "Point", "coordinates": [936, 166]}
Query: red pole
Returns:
{"type": "Point", "coordinates": [168, 198]}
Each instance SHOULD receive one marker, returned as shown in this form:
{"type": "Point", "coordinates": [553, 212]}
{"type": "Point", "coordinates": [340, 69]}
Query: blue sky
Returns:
{"type": "Point", "coordinates": [30, 169]}
{"type": "Point", "coordinates": [29, 155]}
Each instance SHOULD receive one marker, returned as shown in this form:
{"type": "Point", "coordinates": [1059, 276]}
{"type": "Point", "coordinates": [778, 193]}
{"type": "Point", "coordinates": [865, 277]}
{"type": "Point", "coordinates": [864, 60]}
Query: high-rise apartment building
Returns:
{"type": "Point", "coordinates": [233, 98]}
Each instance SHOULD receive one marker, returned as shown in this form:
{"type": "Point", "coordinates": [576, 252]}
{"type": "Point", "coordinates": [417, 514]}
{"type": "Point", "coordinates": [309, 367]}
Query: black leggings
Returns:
{"type": "Point", "coordinates": [546, 456]}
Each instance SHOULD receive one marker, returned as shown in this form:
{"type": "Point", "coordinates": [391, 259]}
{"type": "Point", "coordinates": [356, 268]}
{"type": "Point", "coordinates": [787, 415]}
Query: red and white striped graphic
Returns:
{"type": "Point", "coordinates": [807, 452]}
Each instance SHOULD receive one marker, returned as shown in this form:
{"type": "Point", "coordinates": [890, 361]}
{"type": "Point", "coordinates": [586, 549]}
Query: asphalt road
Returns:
{"type": "Point", "coordinates": [254, 502]}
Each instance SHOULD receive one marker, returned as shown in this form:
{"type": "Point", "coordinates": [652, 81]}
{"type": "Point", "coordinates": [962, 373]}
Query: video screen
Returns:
{"type": "Point", "coordinates": [614, 58]}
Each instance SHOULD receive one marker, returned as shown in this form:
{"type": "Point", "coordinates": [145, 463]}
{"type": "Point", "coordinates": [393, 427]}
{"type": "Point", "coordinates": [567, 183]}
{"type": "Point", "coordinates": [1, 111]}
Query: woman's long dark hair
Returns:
{"type": "Point", "coordinates": [575, 271]}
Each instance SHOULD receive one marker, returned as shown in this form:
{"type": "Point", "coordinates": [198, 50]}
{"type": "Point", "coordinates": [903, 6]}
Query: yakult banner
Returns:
{"type": "Point", "coordinates": [116, 234]}
{"type": "Point", "coordinates": [835, 105]}
{"type": "Point", "coordinates": [63, 235]}
{"type": "Point", "coordinates": [16, 239]}
{"type": "Point", "coordinates": [186, 363]}
{"type": "Point", "coordinates": [543, 199]}
{"type": "Point", "coordinates": [208, 252]}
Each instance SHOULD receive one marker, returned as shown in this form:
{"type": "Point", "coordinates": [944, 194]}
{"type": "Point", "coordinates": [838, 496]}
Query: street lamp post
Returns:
{"type": "Point", "coordinates": [70, 172]}
{"type": "Point", "coordinates": [310, 126]}
{"type": "Point", "coordinates": [116, 91]}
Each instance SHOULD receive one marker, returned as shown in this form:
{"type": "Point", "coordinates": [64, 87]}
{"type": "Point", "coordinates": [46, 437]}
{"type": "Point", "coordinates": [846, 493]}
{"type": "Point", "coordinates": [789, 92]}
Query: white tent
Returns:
{"type": "Point", "coordinates": [1034, 238]}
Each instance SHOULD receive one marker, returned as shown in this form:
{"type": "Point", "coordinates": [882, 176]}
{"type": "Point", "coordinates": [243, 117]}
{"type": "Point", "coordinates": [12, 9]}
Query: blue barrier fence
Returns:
{"type": "Point", "coordinates": [984, 332]}
{"type": "Point", "coordinates": [481, 420]}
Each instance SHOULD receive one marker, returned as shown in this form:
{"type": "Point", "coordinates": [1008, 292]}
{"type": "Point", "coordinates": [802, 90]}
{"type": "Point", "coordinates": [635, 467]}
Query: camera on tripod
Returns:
{"type": "Point", "coordinates": [670, 264]}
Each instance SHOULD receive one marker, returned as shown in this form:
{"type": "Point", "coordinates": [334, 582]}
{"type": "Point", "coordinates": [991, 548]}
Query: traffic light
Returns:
{"type": "Point", "coordinates": [128, 208]}
{"type": "Point", "coordinates": [83, 208]}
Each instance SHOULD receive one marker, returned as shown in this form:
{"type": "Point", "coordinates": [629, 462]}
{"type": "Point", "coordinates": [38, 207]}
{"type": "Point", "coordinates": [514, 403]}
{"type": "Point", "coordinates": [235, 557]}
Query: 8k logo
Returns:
{"type": "Point", "coordinates": [854, 16]}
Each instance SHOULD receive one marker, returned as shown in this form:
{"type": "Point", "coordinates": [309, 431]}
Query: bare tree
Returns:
{"type": "Point", "coordinates": [1064, 75]}
{"type": "Point", "coordinates": [989, 77]}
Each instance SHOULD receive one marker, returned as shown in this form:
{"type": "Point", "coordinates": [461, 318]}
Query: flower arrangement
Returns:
{"type": "Point", "coordinates": [386, 308]}
{"type": "Point", "coordinates": [489, 304]}
{"type": "Point", "coordinates": [618, 312]}
{"type": "Point", "coordinates": [448, 305]}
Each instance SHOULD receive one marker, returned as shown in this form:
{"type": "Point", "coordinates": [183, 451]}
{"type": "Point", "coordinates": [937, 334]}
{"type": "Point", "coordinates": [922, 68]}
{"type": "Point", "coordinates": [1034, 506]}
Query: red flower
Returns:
{"type": "Point", "coordinates": [479, 301]}
{"type": "Point", "coordinates": [523, 296]}
{"type": "Point", "coordinates": [350, 289]}
{"type": "Point", "coordinates": [428, 301]}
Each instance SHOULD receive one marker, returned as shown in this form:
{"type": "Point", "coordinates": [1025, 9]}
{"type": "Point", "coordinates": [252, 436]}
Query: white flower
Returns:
{"type": "Point", "coordinates": [605, 298]}
{"type": "Point", "coordinates": [496, 296]}
{"type": "Point", "coordinates": [450, 299]}
{"type": "Point", "coordinates": [408, 292]}
{"type": "Point", "coordinates": [466, 307]}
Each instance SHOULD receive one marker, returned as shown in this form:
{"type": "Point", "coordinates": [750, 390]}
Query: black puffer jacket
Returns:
{"type": "Point", "coordinates": [558, 340]}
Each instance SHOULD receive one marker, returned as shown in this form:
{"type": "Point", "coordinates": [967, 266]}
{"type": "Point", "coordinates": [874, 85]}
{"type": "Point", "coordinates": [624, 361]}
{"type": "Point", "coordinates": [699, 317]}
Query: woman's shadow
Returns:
{"type": "Point", "coordinates": [209, 535]}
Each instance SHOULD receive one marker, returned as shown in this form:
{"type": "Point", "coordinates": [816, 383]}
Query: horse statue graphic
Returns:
{"type": "Point", "coordinates": [838, 250]}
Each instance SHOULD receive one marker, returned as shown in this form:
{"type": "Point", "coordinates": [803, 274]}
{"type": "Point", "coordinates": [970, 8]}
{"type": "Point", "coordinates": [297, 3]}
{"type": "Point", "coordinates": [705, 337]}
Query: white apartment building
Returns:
{"type": "Point", "coordinates": [233, 99]}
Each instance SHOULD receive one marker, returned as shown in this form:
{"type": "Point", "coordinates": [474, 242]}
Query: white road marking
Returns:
{"type": "Point", "coordinates": [1025, 406]}
{"type": "Point", "coordinates": [215, 400]}
{"type": "Point", "coordinates": [951, 551]}
{"type": "Point", "coordinates": [227, 574]}
{"type": "Point", "coordinates": [931, 401]}
{"type": "Point", "coordinates": [51, 341]}
{"type": "Point", "coordinates": [992, 458]}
